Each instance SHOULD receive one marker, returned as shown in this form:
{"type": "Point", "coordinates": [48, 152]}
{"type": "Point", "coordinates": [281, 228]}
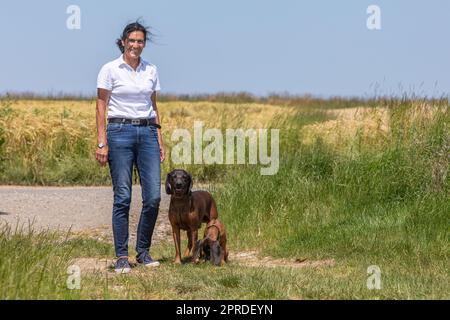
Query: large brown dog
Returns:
{"type": "Point", "coordinates": [213, 246]}
{"type": "Point", "coordinates": [187, 210]}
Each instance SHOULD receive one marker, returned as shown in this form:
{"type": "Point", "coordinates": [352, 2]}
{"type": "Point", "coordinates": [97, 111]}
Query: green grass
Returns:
{"type": "Point", "coordinates": [34, 263]}
{"type": "Point", "coordinates": [34, 266]}
{"type": "Point", "coordinates": [385, 207]}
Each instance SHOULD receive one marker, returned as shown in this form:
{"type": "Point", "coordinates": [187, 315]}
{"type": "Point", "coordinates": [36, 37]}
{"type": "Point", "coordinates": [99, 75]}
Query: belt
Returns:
{"type": "Point", "coordinates": [135, 122]}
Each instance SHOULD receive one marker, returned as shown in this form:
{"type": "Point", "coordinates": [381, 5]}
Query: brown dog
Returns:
{"type": "Point", "coordinates": [214, 244]}
{"type": "Point", "coordinates": [187, 210]}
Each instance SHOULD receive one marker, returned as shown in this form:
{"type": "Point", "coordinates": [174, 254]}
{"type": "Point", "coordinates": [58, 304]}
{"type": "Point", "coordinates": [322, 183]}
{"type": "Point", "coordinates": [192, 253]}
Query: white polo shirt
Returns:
{"type": "Point", "coordinates": [131, 90]}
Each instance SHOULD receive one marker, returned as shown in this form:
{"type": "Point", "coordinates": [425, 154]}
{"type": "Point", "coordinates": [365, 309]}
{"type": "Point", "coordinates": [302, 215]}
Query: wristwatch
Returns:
{"type": "Point", "coordinates": [101, 145]}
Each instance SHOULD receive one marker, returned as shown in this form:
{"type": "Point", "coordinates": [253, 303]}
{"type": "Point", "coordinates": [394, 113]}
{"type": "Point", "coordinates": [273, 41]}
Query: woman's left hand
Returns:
{"type": "Point", "coordinates": [162, 152]}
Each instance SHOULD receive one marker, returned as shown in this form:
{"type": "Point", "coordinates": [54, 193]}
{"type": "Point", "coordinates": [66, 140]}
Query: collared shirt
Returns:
{"type": "Point", "coordinates": [131, 90]}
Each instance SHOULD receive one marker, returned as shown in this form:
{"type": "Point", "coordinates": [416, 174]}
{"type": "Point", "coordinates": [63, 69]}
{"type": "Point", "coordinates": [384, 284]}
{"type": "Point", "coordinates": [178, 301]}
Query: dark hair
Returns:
{"type": "Point", "coordinates": [135, 26]}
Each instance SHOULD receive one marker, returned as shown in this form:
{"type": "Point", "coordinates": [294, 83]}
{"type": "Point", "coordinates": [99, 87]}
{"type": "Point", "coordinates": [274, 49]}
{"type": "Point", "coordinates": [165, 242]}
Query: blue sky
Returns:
{"type": "Point", "coordinates": [319, 47]}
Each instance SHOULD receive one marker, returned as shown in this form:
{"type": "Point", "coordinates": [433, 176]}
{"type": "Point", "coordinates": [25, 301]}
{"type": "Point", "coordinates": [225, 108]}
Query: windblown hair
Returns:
{"type": "Point", "coordinates": [132, 27]}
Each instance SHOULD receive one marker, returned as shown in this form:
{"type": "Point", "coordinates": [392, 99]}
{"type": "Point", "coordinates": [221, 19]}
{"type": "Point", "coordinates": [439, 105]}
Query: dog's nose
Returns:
{"type": "Point", "coordinates": [178, 185]}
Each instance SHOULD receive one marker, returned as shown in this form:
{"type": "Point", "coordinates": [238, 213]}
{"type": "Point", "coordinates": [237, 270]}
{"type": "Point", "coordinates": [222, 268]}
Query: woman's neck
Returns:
{"type": "Point", "coordinates": [132, 62]}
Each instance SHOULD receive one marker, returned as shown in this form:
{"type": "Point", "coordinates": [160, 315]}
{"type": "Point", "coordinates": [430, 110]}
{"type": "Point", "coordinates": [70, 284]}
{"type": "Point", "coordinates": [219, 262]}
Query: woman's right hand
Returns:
{"type": "Point", "coordinates": [101, 154]}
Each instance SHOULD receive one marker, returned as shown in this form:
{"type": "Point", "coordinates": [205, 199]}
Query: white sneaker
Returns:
{"type": "Point", "coordinates": [122, 266]}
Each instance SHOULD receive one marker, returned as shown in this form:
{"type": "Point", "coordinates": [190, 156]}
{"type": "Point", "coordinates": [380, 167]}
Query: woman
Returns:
{"type": "Point", "coordinates": [126, 87]}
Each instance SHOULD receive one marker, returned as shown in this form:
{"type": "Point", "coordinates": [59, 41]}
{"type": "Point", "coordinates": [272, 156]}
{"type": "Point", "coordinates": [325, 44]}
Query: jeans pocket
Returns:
{"type": "Point", "coordinates": [153, 132]}
{"type": "Point", "coordinates": [114, 127]}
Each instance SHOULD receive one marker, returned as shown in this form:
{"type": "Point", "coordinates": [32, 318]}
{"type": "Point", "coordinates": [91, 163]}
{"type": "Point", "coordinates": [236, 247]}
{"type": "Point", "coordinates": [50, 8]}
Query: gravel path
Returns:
{"type": "Point", "coordinates": [86, 210]}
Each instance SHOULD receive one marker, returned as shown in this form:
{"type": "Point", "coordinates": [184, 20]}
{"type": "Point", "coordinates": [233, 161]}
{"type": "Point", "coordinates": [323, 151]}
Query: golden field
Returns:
{"type": "Point", "coordinates": [53, 141]}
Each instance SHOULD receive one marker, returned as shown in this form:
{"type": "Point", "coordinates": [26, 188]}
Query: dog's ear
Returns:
{"type": "Point", "coordinates": [168, 185]}
{"type": "Point", "coordinates": [189, 192]}
{"type": "Point", "coordinates": [198, 250]}
{"type": "Point", "coordinates": [206, 251]}
{"type": "Point", "coordinates": [216, 250]}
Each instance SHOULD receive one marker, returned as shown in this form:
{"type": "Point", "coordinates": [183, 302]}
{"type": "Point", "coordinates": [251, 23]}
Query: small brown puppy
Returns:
{"type": "Point", "coordinates": [213, 246]}
{"type": "Point", "coordinates": [187, 209]}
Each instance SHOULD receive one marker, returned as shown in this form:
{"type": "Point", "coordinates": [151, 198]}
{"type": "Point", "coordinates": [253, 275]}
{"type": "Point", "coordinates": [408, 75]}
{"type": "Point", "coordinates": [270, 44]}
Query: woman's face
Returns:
{"type": "Point", "coordinates": [134, 44]}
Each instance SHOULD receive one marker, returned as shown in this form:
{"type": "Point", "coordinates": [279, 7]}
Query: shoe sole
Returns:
{"type": "Point", "coordinates": [150, 265]}
{"type": "Point", "coordinates": [123, 270]}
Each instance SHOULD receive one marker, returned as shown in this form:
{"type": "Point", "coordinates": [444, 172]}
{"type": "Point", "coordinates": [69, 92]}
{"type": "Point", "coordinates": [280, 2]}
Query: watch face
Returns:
{"type": "Point", "coordinates": [101, 145]}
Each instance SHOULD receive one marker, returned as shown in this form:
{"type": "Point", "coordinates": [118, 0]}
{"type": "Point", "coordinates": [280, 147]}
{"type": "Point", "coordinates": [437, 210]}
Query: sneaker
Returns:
{"type": "Point", "coordinates": [122, 266]}
{"type": "Point", "coordinates": [145, 259]}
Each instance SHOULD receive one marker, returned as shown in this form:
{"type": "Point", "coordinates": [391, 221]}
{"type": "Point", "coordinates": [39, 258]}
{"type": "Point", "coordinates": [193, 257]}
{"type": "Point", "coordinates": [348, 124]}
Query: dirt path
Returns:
{"type": "Point", "coordinates": [248, 259]}
{"type": "Point", "coordinates": [86, 210]}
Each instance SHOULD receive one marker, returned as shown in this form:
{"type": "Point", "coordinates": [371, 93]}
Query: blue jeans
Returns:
{"type": "Point", "coordinates": [134, 145]}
